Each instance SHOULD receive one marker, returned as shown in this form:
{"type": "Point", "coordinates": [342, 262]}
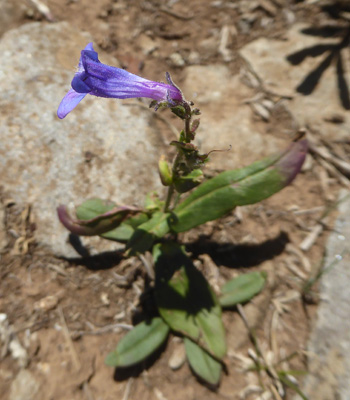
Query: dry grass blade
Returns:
{"type": "Point", "coordinates": [311, 238]}
{"type": "Point", "coordinates": [128, 389]}
{"type": "Point", "coordinates": [68, 339]}
{"type": "Point", "coordinates": [332, 170]}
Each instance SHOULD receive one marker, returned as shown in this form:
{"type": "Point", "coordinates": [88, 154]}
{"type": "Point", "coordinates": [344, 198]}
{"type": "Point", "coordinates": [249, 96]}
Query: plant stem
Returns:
{"type": "Point", "coordinates": [188, 138]}
{"type": "Point", "coordinates": [168, 198]}
{"type": "Point", "coordinates": [171, 188]}
{"type": "Point", "coordinates": [187, 129]}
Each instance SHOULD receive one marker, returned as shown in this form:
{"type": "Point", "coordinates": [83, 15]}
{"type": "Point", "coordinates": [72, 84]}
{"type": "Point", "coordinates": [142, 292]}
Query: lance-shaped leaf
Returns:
{"type": "Point", "coordinates": [202, 363]}
{"type": "Point", "coordinates": [242, 288]}
{"type": "Point", "coordinates": [144, 236]}
{"type": "Point", "coordinates": [185, 300]}
{"type": "Point", "coordinates": [221, 194]}
{"type": "Point", "coordinates": [139, 343]}
{"type": "Point", "coordinates": [126, 229]}
{"type": "Point", "coordinates": [94, 217]}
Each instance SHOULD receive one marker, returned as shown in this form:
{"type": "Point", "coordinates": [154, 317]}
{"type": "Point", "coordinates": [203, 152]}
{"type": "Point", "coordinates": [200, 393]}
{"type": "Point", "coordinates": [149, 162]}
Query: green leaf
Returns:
{"type": "Point", "coordinates": [93, 208]}
{"type": "Point", "coordinates": [242, 288]}
{"type": "Point", "coordinates": [221, 194]}
{"type": "Point", "coordinates": [185, 300]}
{"type": "Point", "coordinates": [94, 217]}
{"type": "Point", "coordinates": [204, 365]}
{"type": "Point", "coordinates": [146, 233]}
{"type": "Point", "coordinates": [126, 229]}
{"type": "Point", "coordinates": [139, 343]}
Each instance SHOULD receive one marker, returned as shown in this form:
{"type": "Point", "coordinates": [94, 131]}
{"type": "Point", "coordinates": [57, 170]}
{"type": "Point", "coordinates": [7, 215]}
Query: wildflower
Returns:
{"type": "Point", "coordinates": [102, 80]}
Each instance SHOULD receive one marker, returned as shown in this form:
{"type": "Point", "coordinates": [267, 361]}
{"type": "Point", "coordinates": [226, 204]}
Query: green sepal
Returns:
{"type": "Point", "coordinates": [139, 343]}
{"type": "Point", "coordinates": [185, 183]}
{"type": "Point", "coordinates": [179, 111]}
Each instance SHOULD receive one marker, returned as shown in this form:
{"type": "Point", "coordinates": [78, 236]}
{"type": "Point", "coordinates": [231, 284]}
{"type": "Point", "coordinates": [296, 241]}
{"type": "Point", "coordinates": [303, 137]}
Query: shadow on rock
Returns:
{"type": "Point", "coordinates": [102, 261]}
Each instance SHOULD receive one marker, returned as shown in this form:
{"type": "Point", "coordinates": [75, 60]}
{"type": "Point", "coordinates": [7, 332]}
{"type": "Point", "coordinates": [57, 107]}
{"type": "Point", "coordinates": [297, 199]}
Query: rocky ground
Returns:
{"type": "Point", "coordinates": [259, 71]}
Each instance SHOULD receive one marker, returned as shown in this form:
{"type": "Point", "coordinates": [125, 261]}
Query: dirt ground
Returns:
{"type": "Point", "coordinates": [67, 315]}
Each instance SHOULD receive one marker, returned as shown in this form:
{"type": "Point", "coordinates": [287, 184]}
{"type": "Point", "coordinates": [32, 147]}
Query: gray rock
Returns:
{"type": "Point", "coordinates": [329, 347]}
{"type": "Point", "coordinates": [105, 148]}
{"type": "Point", "coordinates": [225, 119]}
{"type": "Point", "coordinates": [24, 386]}
{"type": "Point", "coordinates": [268, 59]}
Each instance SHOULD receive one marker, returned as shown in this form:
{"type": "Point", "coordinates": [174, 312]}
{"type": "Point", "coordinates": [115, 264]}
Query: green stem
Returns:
{"type": "Point", "coordinates": [168, 198]}
{"type": "Point", "coordinates": [187, 129]}
{"type": "Point", "coordinates": [188, 138]}
{"type": "Point", "coordinates": [171, 188]}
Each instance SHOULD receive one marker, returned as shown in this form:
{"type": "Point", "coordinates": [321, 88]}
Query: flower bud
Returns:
{"type": "Point", "coordinates": [165, 172]}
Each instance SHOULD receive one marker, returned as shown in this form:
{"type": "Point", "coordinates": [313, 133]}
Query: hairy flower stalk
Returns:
{"type": "Point", "coordinates": [102, 80]}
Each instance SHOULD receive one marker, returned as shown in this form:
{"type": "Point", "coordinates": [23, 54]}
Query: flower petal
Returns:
{"type": "Point", "coordinates": [93, 67]}
{"type": "Point", "coordinates": [70, 101]}
{"type": "Point", "coordinates": [79, 84]}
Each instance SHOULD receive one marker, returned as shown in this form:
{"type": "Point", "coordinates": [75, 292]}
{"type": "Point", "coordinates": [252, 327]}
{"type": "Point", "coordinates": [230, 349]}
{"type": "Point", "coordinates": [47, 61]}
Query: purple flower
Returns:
{"type": "Point", "coordinates": [101, 80]}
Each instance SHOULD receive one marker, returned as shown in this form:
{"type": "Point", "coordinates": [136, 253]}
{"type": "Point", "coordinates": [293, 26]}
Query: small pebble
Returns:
{"type": "Point", "coordinates": [178, 357]}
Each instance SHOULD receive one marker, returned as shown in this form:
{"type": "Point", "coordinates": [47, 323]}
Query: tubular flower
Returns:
{"type": "Point", "coordinates": [102, 80]}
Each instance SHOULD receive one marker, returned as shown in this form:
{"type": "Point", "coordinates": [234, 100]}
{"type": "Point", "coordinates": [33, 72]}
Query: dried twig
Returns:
{"type": "Point", "coordinates": [166, 10]}
{"type": "Point", "coordinates": [127, 389]}
{"type": "Point", "coordinates": [43, 9]}
{"type": "Point", "coordinates": [310, 239]}
{"type": "Point", "coordinates": [303, 259]}
{"type": "Point", "coordinates": [225, 35]}
{"type": "Point", "coordinates": [293, 268]}
{"type": "Point", "coordinates": [322, 151]}
{"type": "Point", "coordinates": [103, 330]}
{"type": "Point", "coordinates": [333, 171]}
{"type": "Point", "coordinates": [148, 265]}
{"type": "Point", "coordinates": [68, 339]}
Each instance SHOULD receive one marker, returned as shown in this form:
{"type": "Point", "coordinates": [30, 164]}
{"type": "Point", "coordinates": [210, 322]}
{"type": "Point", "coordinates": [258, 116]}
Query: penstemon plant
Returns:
{"type": "Point", "coordinates": [185, 302]}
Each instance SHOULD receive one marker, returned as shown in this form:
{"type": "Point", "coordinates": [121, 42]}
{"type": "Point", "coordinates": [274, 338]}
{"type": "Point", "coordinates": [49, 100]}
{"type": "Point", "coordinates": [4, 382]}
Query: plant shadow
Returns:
{"type": "Point", "coordinates": [333, 51]}
{"type": "Point", "coordinates": [96, 262]}
{"type": "Point", "coordinates": [241, 255]}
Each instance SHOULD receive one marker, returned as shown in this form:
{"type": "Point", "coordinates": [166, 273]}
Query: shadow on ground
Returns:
{"type": "Point", "coordinates": [241, 255]}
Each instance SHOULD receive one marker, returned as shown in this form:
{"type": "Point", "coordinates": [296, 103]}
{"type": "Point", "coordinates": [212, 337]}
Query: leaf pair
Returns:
{"type": "Point", "coordinates": [188, 306]}
{"type": "Point", "coordinates": [209, 201]}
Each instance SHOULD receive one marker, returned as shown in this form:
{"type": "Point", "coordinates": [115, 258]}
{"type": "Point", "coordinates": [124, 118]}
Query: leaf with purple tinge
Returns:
{"type": "Point", "coordinates": [217, 196]}
{"type": "Point", "coordinates": [95, 217]}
